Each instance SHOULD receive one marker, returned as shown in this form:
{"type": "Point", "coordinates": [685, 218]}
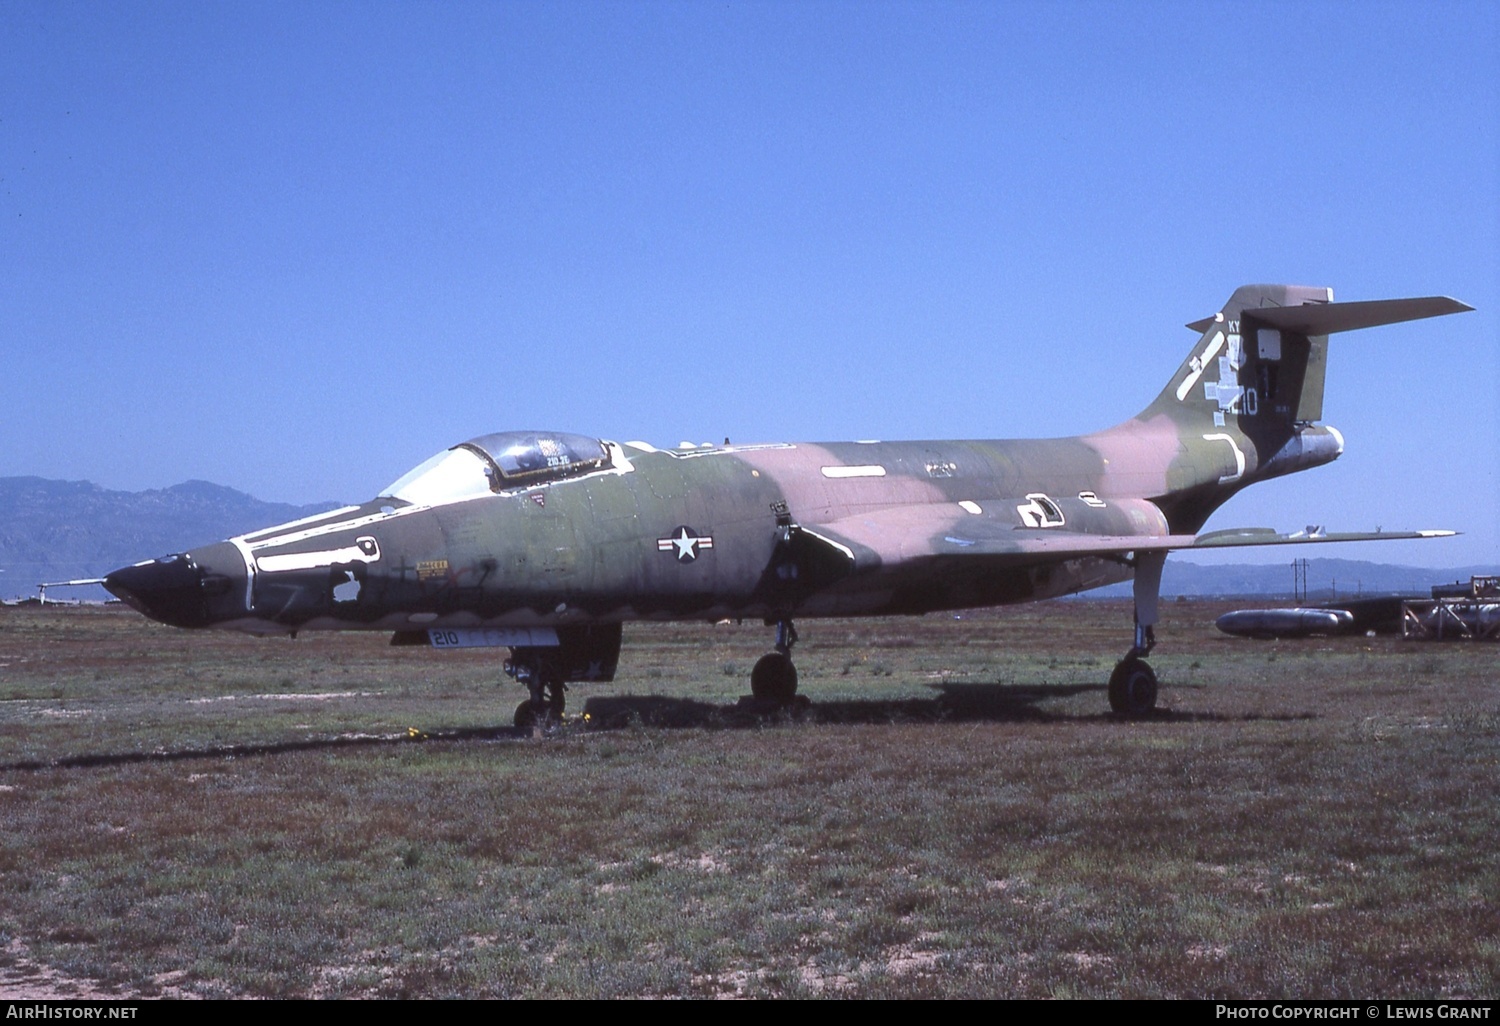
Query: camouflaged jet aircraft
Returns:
{"type": "Point", "coordinates": [545, 542]}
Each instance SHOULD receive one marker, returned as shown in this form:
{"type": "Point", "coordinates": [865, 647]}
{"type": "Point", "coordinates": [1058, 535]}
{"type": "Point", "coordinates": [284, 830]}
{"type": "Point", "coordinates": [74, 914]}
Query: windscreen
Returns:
{"type": "Point", "coordinates": [450, 476]}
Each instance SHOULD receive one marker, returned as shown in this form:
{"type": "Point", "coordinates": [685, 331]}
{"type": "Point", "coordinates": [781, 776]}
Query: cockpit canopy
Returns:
{"type": "Point", "coordinates": [494, 463]}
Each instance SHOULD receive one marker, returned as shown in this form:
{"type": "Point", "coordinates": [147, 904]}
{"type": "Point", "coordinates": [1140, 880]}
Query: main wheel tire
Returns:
{"type": "Point", "coordinates": [526, 715]}
{"type": "Point", "coordinates": [774, 679]}
{"type": "Point", "coordinates": [1132, 688]}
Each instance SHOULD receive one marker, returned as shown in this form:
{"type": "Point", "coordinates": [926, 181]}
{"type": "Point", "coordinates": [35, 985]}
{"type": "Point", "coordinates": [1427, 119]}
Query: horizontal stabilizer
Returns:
{"type": "Point", "coordinates": [1329, 318]}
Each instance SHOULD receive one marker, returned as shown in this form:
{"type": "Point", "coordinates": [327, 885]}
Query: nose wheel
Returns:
{"type": "Point", "coordinates": [543, 711]}
{"type": "Point", "coordinates": [774, 678]}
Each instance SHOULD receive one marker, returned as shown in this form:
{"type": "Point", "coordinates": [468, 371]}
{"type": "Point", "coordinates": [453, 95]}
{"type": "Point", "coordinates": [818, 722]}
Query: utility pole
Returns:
{"type": "Point", "coordinates": [1299, 581]}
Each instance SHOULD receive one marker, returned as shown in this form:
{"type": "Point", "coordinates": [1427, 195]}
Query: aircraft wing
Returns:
{"type": "Point", "coordinates": [936, 534]}
{"type": "Point", "coordinates": [911, 534]}
{"type": "Point", "coordinates": [1266, 536]}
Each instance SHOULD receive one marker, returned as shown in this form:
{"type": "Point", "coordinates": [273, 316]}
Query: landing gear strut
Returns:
{"type": "Point", "coordinates": [774, 678]}
{"type": "Point", "coordinates": [548, 693]}
{"type": "Point", "coordinates": [1132, 685]}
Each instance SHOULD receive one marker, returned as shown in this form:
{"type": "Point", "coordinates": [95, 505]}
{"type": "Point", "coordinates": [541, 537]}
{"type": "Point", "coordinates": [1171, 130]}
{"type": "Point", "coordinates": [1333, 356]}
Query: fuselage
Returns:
{"type": "Point", "coordinates": [492, 533]}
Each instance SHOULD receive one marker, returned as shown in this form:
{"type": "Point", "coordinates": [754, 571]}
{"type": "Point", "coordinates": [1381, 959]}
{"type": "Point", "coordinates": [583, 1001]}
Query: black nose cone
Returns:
{"type": "Point", "coordinates": [169, 589]}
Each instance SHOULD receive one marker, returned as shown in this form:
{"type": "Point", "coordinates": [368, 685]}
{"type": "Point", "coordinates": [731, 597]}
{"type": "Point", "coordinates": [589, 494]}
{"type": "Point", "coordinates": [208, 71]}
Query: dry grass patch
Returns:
{"type": "Point", "coordinates": [1312, 819]}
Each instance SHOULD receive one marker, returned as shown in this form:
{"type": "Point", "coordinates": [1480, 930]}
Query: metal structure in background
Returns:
{"type": "Point", "coordinates": [1456, 612]}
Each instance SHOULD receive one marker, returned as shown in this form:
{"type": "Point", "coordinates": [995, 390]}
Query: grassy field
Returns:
{"type": "Point", "coordinates": [953, 815]}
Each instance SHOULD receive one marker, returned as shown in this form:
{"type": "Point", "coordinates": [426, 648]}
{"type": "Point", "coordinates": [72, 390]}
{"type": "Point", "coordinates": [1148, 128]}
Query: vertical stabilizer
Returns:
{"type": "Point", "coordinates": [1249, 396]}
{"type": "Point", "coordinates": [1244, 368]}
{"type": "Point", "coordinates": [1264, 356]}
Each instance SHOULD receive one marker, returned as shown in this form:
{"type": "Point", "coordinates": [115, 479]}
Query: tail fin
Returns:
{"type": "Point", "coordinates": [1247, 399]}
{"type": "Point", "coordinates": [1261, 360]}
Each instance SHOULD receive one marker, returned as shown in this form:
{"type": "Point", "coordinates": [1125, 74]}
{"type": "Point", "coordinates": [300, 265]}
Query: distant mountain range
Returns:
{"type": "Point", "coordinates": [63, 530]}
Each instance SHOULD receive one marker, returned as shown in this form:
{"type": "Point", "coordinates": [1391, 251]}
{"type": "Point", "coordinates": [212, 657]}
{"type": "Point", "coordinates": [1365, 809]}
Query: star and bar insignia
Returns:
{"type": "Point", "coordinates": [685, 543]}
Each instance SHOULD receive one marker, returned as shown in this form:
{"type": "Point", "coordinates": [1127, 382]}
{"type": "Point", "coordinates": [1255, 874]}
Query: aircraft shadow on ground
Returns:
{"type": "Point", "coordinates": [950, 703]}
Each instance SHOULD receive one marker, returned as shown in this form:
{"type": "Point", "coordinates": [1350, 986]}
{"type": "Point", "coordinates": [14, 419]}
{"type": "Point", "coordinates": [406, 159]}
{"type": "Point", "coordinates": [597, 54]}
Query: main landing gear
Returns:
{"type": "Point", "coordinates": [1132, 685]}
{"type": "Point", "coordinates": [774, 678]}
{"type": "Point", "coordinates": [548, 693]}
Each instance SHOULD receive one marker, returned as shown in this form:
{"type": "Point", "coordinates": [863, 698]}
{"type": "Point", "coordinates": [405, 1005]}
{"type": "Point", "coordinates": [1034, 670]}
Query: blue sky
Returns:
{"type": "Point", "coordinates": [297, 248]}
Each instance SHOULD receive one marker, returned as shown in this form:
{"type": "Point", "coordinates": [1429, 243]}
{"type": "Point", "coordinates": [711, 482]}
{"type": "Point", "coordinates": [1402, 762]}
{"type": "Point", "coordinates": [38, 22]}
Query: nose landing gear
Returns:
{"type": "Point", "coordinates": [548, 693]}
